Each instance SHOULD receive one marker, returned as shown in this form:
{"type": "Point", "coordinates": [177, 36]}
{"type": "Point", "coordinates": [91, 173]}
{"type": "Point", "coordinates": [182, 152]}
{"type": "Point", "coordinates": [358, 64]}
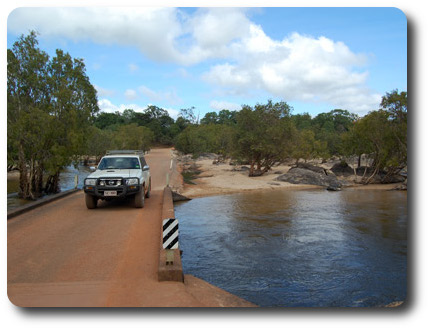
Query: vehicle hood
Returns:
{"type": "Point", "coordinates": [115, 173]}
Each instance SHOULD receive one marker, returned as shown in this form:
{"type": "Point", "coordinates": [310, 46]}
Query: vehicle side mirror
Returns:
{"type": "Point", "coordinates": [92, 168]}
{"type": "Point", "coordinates": [145, 168]}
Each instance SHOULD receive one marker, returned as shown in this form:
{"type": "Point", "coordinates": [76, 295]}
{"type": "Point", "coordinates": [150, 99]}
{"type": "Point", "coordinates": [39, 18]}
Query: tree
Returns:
{"type": "Point", "coordinates": [189, 115]}
{"type": "Point", "coordinates": [305, 146]}
{"type": "Point", "coordinates": [209, 118]}
{"type": "Point", "coordinates": [396, 104]}
{"type": "Point", "coordinates": [224, 117]}
{"type": "Point", "coordinates": [27, 99]}
{"type": "Point", "coordinates": [263, 135]}
{"type": "Point", "coordinates": [51, 104]}
{"type": "Point", "coordinates": [72, 107]}
{"type": "Point", "coordinates": [106, 120]}
{"type": "Point", "coordinates": [133, 137]}
{"type": "Point", "coordinates": [99, 141]}
{"type": "Point", "coordinates": [302, 121]}
{"type": "Point", "coordinates": [377, 134]}
{"type": "Point", "coordinates": [197, 139]}
{"type": "Point", "coordinates": [329, 127]}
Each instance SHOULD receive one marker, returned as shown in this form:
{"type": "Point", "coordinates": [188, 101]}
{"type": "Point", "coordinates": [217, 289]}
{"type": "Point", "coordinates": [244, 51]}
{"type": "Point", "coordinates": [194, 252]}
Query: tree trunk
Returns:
{"type": "Point", "coordinates": [53, 184]}
{"type": "Point", "coordinates": [251, 168]}
{"type": "Point", "coordinates": [36, 179]}
{"type": "Point", "coordinates": [24, 191]}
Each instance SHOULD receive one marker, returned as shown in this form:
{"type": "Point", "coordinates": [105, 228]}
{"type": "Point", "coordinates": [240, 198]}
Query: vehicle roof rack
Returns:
{"type": "Point", "coordinates": [124, 152]}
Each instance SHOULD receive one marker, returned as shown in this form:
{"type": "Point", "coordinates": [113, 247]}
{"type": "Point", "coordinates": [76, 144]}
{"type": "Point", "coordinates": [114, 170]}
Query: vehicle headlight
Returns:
{"type": "Point", "coordinates": [90, 182]}
{"type": "Point", "coordinates": [132, 181]}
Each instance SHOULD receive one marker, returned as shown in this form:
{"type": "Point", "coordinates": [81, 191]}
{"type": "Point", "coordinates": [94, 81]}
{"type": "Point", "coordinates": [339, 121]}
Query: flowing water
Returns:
{"type": "Point", "coordinates": [67, 182]}
{"type": "Point", "coordinates": [299, 248]}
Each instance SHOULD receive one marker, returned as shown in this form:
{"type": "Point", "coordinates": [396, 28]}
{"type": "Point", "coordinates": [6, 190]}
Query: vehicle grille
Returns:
{"type": "Point", "coordinates": [110, 182]}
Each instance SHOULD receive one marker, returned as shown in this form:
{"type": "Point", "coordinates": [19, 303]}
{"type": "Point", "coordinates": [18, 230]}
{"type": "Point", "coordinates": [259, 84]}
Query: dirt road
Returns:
{"type": "Point", "coordinates": [63, 254]}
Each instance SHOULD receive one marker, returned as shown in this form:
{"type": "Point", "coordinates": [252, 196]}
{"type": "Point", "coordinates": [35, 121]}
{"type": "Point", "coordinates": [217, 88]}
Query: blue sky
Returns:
{"type": "Point", "coordinates": [315, 59]}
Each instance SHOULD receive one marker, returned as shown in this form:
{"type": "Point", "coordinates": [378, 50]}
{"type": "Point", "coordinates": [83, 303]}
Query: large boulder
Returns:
{"type": "Point", "coordinates": [342, 169]}
{"type": "Point", "coordinates": [318, 177]}
{"type": "Point", "coordinates": [311, 167]}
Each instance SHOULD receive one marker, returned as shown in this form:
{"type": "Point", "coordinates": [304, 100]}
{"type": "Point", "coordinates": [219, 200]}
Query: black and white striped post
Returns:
{"type": "Point", "coordinates": [170, 238]}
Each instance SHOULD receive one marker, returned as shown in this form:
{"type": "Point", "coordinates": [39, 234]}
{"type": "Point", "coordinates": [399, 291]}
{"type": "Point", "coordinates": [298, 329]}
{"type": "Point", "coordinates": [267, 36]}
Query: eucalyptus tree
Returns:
{"type": "Point", "coordinates": [50, 107]}
{"type": "Point", "coordinates": [73, 105]}
{"type": "Point", "coordinates": [28, 112]}
{"type": "Point", "coordinates": [381, 134]}
{"type": "Point", "coordinates": [264, 135]}
{"type": "Point", "coordinates": [132, 136]}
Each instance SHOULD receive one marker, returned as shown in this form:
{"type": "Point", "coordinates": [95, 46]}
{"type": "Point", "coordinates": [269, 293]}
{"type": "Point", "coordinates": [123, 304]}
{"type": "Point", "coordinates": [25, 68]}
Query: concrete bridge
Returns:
{"type": "Point", "coordinates": [63, 255]}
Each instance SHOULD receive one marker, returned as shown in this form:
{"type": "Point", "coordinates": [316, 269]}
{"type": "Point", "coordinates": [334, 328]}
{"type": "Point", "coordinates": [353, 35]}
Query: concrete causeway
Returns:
{"type": "Point", "coordinates": [61, 254]}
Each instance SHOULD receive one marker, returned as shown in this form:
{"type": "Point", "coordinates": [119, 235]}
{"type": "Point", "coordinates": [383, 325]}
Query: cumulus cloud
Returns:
{"type": "Point", "coordinates": [223, 105]}
{"type": "Point", "coordinates": [298, 68]}
{"type": "Point", "coordinates": [106, 105]}
{"type": "Point", "coordinates": [103, 92]}
{"type": "Point", "coordinates": [242, 56]}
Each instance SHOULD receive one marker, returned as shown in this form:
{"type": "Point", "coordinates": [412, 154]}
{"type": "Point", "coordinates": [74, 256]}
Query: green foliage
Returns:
{"type": "Point", "coordinates": [306, 147]}
{"type": "Point", "coordinates": [224, 117]}
{"type": "Point", "coordinates": [329, 127]}
{"type": "Point", "coordinates": [50, 107]}
{"type": "Point", "coordinates": [156, 119]}
{"type": "Point", "coordinates": [264, 135]}
{"type": "Point", "coordinates": [99, 141]}
{"type": "Point", "coordinates": [268, 133]}
{"type": "Point", "coordinates": [382, 134]}
{"type": "Point", "coordinates": [52, 119]}
{"type": "Point", "coordinates": [133, 136]}
{"type": "Point", "coordinates": [197, 139]}
{"type": "Point", "coordinates": [106, 120]}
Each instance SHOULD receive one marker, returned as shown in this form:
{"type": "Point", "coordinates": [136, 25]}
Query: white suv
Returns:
{"type": "Point", "coordinates": [120, 173]}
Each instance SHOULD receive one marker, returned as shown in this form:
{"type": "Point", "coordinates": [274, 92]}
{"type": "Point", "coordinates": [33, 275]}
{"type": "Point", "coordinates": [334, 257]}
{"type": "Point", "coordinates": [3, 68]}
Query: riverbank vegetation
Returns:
{"type": "Point", "coordinates": [270, 133]}
{"type": "Point", "coordinates": [54, 120]}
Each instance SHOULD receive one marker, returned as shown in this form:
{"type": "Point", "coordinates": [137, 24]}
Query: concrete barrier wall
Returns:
{"type": "Point", "coordinates": [40, 202]}
{"type": "Point", "coordinates": [171, 272]}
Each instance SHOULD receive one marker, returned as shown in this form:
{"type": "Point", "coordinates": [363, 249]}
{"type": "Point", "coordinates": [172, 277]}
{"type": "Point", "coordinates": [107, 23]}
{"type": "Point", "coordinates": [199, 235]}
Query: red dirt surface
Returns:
{"type": "Point", "coordinates": [64, 255]}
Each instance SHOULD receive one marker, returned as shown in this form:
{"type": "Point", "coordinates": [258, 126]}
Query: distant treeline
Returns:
{"type": "Point", "coordinates": [266, 134]}
{"type": "Point", "coordinates": [54, 120]}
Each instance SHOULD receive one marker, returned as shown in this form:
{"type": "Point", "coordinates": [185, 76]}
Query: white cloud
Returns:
{"type": "Point", "coordinates": [172, 112]}
{"type": "Point", "coordinates": [298, 68]}
{"type": "Point", "coordinates": [103, 92]}
{"type": "Point", "coordinates": [130, 94]}
{"type": "Point", "coordinates": [106, 105]}
{"type": "Point", "coordinates": [243, 57]}
{"type": "Point", "coordinates": [223, 105]}
{"type": "Point", "coordinates": [152, 30]}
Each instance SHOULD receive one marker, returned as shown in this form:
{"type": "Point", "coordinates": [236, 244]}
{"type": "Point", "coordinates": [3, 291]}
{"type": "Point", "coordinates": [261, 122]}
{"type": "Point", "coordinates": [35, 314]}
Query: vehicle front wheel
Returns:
{"type": "Point", "coordinates": [90, 201]}
{"type": "Point", "coordinates": [139, 198]}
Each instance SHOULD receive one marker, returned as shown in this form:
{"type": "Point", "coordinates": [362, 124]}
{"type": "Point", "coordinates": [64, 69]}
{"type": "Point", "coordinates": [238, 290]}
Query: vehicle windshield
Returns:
{"type": "Point", "coordinates": [121, 163]}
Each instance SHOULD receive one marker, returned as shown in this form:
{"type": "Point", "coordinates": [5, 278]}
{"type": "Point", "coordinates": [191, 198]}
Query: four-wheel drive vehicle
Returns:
{"type": "Point", "coordinates": [120, 173]}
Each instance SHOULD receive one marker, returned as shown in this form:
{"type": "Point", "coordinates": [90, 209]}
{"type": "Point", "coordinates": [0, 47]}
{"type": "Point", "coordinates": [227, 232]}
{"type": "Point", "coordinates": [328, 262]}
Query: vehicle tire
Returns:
{"type": "Point", "coordinates": [148, 193]}
{"type": "Point", "coordinates": [90, 201]}
{"type": "Point", "coordinates": [139, 198]}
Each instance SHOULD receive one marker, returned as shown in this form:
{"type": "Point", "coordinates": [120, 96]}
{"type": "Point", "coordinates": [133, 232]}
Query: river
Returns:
{"type": "Point", "coordinates": [299, 248]}
{"type": "Point", "coordinates": [67, 182]}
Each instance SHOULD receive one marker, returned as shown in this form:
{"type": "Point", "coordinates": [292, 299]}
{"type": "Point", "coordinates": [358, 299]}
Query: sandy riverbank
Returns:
{"type": "Point", "coordinates": [223, 178]}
